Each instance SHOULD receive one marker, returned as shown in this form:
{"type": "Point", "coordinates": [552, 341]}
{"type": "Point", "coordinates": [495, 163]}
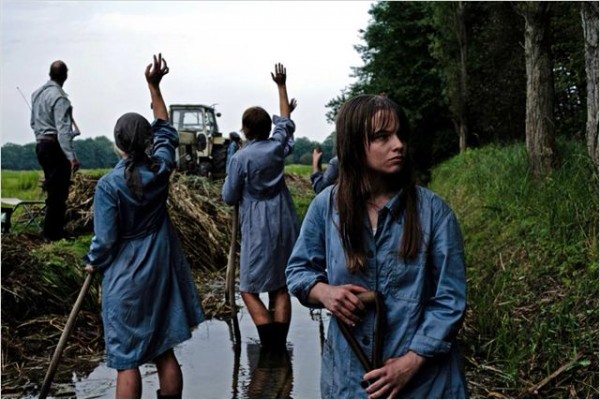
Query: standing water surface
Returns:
{"type": "Point", "coordinates": [212, 369]}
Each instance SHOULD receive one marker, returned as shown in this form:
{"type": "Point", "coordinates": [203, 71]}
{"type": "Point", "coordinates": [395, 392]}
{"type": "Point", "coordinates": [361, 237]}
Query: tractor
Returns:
{"type": "Point", "coordinates": [202, 148]}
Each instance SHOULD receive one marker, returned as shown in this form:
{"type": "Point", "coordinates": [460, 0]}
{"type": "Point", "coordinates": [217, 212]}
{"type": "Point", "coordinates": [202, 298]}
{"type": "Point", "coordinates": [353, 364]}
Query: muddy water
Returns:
{"type": "Point", "coordinates": [213, 369]}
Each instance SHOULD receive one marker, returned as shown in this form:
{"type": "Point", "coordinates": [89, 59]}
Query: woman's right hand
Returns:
{"type": "Point", "coordinates": [340, 300]}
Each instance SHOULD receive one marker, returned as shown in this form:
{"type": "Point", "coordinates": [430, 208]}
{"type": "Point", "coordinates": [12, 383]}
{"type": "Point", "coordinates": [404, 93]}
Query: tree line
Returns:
{"type": "Point", "coordinates": [99, 153]}
{"type": "Point", "coordinates": [474, 73]}
{"type": "Point", "coordinates": [93, 153]}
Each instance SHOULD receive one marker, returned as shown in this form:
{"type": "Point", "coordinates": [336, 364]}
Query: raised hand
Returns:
{"type": "Point", "coordinates": [154, 74]}
{"type": "Point", "coordinates": [280, 75]}
{"type": "Point", "coordinates": [293, 104]}
{"type": "Point", "coordinates": [156, 70]}
{"type": "Point", "coordinates": [316, 159]}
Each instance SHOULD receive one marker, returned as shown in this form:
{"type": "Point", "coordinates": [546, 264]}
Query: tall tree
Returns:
{"type": "Point", "coordinates": [589, 17]}
{"type": "Point", "coordinates": [461, 37]}
{"type": "Point", "coordinates": [539, 121]}
{"type": "Point", "coordinates": [397, 61]}
{"type": "Point", "coordinates": [449, 47]}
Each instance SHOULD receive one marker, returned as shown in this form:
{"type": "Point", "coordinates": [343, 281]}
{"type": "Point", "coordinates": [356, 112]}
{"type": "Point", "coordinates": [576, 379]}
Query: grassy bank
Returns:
{"type": "Point", "coordinates": [532, 254]}
{"type": "Point", "coordinates": [25, 185]}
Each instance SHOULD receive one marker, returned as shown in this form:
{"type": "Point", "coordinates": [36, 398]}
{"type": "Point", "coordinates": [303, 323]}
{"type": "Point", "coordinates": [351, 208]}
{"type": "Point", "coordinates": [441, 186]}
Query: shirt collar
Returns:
{"type": "Point", "coordinates": [396, 206]}
{"type": "Point", "coordinates": [52, 83]}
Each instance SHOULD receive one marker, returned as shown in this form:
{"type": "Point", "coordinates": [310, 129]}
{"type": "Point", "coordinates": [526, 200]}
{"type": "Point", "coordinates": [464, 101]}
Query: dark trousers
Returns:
{"type": "Point", "coordinates": [57, 177]}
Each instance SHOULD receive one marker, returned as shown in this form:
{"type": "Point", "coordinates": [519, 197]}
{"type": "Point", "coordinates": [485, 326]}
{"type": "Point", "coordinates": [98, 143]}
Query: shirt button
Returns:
{"type": "Point", "coordinates": [365, 340]}
{"type": "Point", "coordinates": [370, 254]}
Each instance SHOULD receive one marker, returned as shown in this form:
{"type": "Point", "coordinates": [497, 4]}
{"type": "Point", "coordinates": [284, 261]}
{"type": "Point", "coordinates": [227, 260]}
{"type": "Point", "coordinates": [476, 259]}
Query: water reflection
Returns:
{"type": "Point", "coordinates": [271, 375]}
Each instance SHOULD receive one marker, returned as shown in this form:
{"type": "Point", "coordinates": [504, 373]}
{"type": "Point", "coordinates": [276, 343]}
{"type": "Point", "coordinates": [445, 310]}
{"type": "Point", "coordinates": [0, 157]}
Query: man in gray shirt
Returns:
{"type": "Point", "coordinates": [52, 123]}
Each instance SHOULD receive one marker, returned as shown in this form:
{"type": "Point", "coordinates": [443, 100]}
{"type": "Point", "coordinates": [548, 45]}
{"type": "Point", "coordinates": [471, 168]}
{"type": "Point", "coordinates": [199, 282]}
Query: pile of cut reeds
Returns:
{"type": "Point", "coordinates": [202, 221]}
{"type": "Point", "coordinates": [197, 212]}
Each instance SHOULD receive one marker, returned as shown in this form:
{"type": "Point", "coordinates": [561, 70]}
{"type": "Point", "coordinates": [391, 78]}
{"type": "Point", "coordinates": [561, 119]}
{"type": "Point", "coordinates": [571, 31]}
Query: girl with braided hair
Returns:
{"type": "Point", "coordinates": [149, 300]}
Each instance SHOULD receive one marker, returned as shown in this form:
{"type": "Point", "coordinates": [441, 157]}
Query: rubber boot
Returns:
{"type": "Point", "coordinates": [266, 333]}
{"type": "Point", "coordinates": [171, 396]}
{"type": "Point", "coordinates": [280, 335]}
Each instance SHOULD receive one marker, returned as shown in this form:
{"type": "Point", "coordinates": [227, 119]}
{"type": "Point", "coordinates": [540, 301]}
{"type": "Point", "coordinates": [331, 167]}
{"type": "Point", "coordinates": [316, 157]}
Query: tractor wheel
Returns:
{"type": "Point", "coordinates": [219, 155]}
{"type": "Point", "coordinates": [205, 168]}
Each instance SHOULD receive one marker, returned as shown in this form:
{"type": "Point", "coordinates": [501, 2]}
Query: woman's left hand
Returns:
{"type": "Point", "coordinates": [293, 104]}
{"type": "Point", "coordinates": [393, 376]}
{"type": "Point", "coordinates": [89, 268]}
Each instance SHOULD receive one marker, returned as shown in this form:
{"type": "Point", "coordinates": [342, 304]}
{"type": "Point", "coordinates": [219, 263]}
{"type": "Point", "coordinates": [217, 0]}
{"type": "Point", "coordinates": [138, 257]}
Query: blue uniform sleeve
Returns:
{"type": "Point", "coordinates": [307, 264]}
{"type": "Point", "coordinates": [284, 133]}
{"type": "Point", "coordinates": [234, 182]}
{"type": "Point", "coordinates": [445, 309]}
{"type": "Point", "coordinates": [165, 142]}
{"type": "Point", "coordinates": [106, 228]}
{"type": "Point", "coordinates": [320, 180]}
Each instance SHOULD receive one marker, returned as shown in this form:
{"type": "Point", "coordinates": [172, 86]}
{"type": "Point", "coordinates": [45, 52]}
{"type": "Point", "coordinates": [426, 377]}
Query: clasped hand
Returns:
{"type": "Point", "coordinates": [393, 376]}
{"type": "Point", "coordinates": [341, 301]}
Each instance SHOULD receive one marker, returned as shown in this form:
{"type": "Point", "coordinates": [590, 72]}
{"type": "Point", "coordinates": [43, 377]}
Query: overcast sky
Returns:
{"type": "Point", "coordinates": [218, 52]}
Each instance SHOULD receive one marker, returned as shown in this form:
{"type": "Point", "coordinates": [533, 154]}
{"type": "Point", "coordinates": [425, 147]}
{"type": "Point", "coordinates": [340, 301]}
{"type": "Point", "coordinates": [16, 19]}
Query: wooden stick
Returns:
{"type": "Point", "coordinates": [230, 274]}
{"type": "Point", "coordinates": [534, 389]}
{"type": "Point", "coordinates": [64, 337]}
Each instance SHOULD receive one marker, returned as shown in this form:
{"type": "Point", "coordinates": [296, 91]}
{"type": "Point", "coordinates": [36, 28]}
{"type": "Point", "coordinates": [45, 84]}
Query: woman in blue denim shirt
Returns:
{"type": "Point", "coordinates": [149, 299]}
{"type": "Point", "coordinates": [377, 231]}
{"type": "Point", "coordinates": [268, 220]}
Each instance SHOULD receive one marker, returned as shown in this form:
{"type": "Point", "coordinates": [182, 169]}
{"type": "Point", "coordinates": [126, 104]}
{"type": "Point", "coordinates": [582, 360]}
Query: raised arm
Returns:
{"type": "Point", "coordinates": [154, 74]}
{"type": "Point", "coordinates": [285, 107]}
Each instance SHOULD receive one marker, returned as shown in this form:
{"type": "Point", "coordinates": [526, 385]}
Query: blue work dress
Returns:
{"type": "Point", "coordinates": [149, 299]}
{"type": "Point", "coordinates": [268, 219]}
{"type": "Point", "coordinates": [425, 298]}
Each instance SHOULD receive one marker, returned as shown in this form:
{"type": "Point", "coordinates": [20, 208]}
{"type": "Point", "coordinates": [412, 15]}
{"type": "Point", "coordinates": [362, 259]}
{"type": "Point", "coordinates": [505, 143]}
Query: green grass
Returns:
{"type": "Point", "coordinates": [25, 185]}
{"type": "Point", "coordinates": [532, 255]}
{"type": "Point", "coordinates": [298, 169]}
{"type": "Point", "coordinates": [302, 195]}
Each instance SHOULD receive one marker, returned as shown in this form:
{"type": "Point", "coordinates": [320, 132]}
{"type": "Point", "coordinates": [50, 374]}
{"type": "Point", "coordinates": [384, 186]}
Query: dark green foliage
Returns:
{"type": "Point", "coordinates": [410, 52]}
{"type": "Point", "coordinates": [569, 68]}
{"type": "Point", "coordinates": [398, 63]}
{"type": "Point", "coordinates": [93, 153]}
{"type": "Point", "coordinates": [303, 150]}
{"type": "Point", "coordinates": [22, 158]}
{"type": "Point", "coordinates": [496, 69]}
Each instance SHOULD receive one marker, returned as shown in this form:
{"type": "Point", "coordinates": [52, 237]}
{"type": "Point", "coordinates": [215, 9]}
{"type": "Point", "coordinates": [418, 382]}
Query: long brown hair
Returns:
{"type": "Point", "coordinates": [354, 129]}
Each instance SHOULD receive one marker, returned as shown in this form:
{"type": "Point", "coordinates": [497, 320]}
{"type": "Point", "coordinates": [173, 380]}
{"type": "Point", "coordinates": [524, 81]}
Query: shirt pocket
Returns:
{"type": "Point", "coordinates": [405, 279]}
